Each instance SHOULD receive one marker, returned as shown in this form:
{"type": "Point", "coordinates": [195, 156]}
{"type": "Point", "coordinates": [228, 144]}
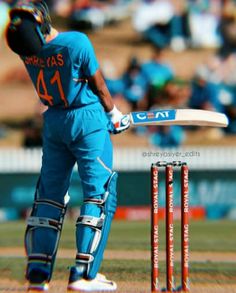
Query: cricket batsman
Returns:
{"type": "Point", "coordinates": [77, 126]}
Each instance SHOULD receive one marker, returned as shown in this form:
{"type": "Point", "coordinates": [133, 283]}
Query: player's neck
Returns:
{"type": "Point", "coordinates": [52, 35]}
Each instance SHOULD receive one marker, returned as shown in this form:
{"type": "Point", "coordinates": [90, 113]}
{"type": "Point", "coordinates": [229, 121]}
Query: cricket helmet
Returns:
{"type": "Point", "coordinates": [29, 23]}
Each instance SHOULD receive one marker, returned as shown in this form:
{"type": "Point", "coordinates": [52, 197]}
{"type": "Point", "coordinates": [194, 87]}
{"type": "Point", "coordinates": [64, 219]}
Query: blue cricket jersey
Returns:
{"type": "Point", "coordinates": [60, 71]}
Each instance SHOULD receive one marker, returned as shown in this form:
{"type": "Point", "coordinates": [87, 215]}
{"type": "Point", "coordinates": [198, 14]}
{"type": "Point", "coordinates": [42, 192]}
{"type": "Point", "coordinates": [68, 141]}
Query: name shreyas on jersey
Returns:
{"type": "Point", "coordinates": [149, 116]}
{"type": "Point", "coordinates": [47, 62]}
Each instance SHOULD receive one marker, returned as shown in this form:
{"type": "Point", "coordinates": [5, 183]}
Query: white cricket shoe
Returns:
{"type": "Point", "coordinates": [100, 283]}
{"type": "Point", "coordinates": [38, 287]}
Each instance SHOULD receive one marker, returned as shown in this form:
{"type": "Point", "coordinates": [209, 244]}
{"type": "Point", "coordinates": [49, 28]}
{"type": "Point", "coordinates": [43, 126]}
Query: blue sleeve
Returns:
{"type": "Point", "coordinates": [90, 63]}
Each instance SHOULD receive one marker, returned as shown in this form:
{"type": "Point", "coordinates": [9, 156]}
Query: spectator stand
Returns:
{"type": "Point", "coordinates": [95, 15]}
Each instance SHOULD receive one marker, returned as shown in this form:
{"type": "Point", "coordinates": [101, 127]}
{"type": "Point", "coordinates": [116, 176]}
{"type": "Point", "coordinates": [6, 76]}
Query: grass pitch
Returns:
{"type": "Point", "coordinates": [205, 236]}
{"type": "Point", "coordinates": [218, 236]}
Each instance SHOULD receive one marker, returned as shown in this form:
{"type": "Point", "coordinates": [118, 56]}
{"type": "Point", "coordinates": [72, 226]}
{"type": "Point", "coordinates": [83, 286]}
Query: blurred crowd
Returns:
{"type": "Point", "coordinates": [176, 25]}
{"type": "Point", "coordinates": [153, 84]}
{"type": "Point", "coordinates": [181, 25]}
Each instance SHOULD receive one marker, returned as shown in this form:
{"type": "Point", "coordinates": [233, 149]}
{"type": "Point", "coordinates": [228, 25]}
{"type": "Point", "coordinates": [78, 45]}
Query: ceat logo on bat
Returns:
{"type": "Point", "coordinates": [154, 115]}
{"type": "Point", "coordinates": [150, 115]}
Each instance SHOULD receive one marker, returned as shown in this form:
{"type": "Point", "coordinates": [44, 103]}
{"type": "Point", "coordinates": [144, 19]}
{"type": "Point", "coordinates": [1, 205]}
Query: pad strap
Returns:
{"type": "Point", "coordinates": [84, 258]}
{"type": "Point", "coordinates": [97, 201]}
{"type": "Point", "coordinates": [34, 221]}
{"type": "Point", "coordinates": [39, 258]}
{"type": "Point", "coordinates": [44, 222]}
{"type": "Point", "coordinates": [91, 221]}
{"type": "Point", "coordinates": [51, 203]}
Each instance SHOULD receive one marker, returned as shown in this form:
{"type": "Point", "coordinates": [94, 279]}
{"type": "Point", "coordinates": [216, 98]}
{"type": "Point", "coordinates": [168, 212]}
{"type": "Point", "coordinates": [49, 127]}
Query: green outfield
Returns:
{"type": "Point", "coordinates": [129, 235]}
{"type": "Point", "coordinates": [212, 252]}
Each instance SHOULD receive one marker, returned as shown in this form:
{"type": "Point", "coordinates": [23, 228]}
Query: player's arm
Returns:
{"type": "Point", "coordinates": [98, 85]}
{"type": "Point", "coordinates": [120, 121]}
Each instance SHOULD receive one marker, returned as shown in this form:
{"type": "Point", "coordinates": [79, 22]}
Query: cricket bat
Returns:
{"type": "Point", "coordinates": [179, 117]}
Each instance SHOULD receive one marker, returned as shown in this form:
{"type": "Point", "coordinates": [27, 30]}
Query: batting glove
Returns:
{"type": "Point", "coordinates": [120, 122]}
